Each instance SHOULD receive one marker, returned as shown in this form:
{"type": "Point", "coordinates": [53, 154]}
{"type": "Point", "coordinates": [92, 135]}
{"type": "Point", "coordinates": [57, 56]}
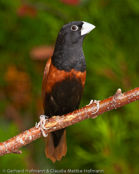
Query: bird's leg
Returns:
{"type": "Point", "coordinates": [97, 105]}
{"type": "Point", "coordinates": [41, 124]}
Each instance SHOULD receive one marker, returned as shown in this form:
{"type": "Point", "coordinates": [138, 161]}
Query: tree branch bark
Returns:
{"type": "Point", "coordinates": [58, 122]}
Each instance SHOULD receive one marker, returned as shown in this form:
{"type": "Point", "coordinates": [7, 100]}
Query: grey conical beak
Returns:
{"type": "Point", "coordinates": [86, 28]}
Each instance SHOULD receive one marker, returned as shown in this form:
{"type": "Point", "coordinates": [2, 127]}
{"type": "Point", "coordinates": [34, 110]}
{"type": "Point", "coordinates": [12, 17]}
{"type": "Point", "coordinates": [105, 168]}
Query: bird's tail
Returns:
{"type": "Point", "coordinates": [56, 153]}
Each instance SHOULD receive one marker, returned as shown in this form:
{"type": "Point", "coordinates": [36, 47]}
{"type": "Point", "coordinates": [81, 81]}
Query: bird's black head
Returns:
{"type": "Point", "coordinates": [73, 33]}
{"type": "Point", "coordinates": [68, 53]}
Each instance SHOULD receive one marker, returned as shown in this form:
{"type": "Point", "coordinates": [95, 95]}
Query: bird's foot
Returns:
{"type": "Point", "coordinates": [41, 124]}
{"type": "Point", "coordinates": [97, 105]}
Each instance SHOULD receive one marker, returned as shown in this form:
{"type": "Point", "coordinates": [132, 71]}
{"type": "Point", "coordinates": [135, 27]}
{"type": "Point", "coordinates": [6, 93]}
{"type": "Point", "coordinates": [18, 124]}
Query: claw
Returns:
{"type": "Point", "coordinates": [97, 104]}
{"type": "Point", "coordinates": [91, 101]}
{"type": "Point", "coordinates": [41, 124]}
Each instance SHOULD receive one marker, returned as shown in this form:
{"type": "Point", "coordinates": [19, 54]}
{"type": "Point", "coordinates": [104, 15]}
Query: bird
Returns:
{"type": "Point", "coordinates": [63, 81]}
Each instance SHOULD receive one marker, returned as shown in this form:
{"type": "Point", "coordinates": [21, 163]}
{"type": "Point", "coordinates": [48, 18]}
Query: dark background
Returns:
{"type": "Point", "coordinates": [28, 30]}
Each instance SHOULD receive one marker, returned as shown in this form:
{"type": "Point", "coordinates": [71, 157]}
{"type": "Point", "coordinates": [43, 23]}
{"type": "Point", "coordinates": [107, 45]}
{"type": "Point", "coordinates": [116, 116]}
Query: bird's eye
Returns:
{"type": "Point", "coordinates": [74, 27]}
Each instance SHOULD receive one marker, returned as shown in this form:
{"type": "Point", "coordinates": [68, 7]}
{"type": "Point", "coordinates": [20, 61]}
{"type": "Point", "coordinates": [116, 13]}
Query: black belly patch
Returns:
{"type": "Point", "coordinates": [64, 98]}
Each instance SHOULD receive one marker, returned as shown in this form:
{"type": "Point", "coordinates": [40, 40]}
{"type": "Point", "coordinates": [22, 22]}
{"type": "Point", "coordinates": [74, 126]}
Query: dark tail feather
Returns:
{"type": "Point", "coordinates": [56, 153]}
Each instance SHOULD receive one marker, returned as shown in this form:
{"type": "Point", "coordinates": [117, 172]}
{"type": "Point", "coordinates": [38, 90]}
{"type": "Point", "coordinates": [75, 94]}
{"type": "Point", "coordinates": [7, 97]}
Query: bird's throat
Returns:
{"type": "Point", "coordinates": [71, 58]}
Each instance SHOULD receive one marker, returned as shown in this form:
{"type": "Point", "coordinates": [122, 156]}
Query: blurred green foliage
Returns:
{"type": "Point", "coordinates": [110, 142]}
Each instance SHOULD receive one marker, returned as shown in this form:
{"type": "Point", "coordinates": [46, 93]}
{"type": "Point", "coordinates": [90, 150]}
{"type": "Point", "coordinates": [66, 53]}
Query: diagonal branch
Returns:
{"type": "Point", "coordinates": [58, 122]}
